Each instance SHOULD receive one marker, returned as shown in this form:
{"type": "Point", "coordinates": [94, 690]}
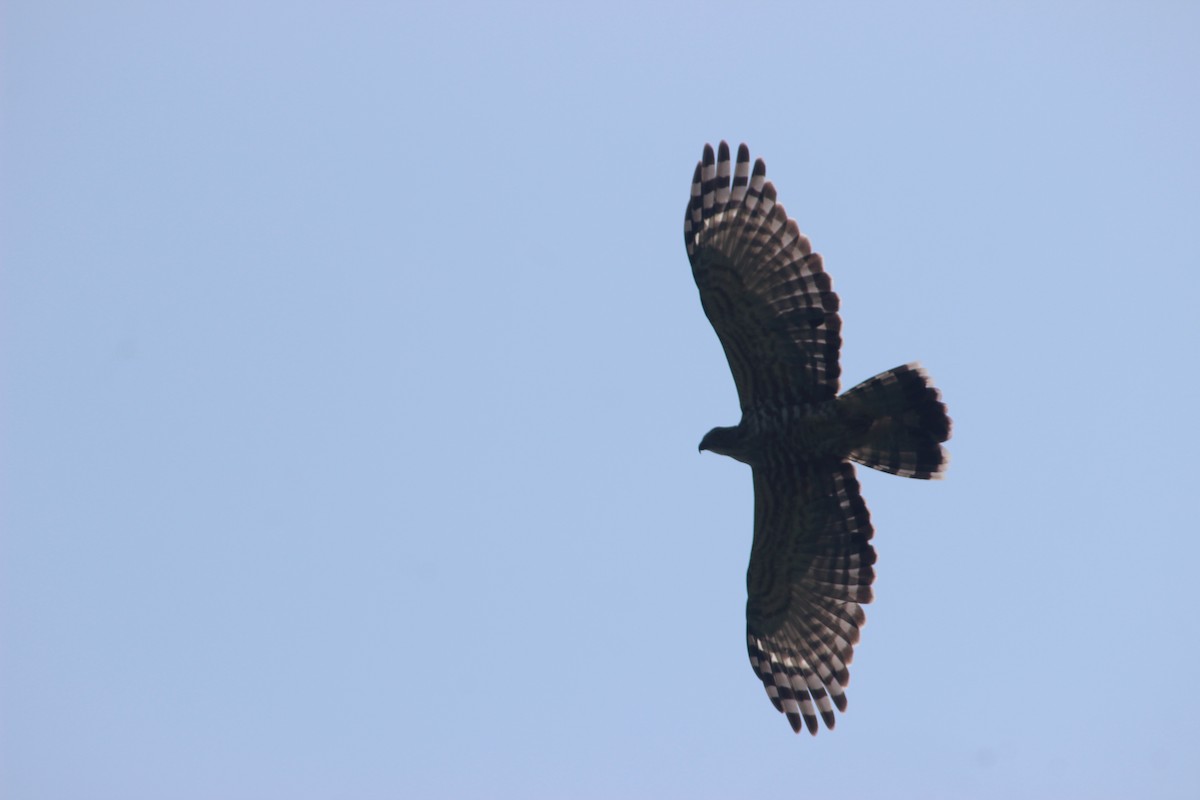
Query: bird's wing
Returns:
{"type": "Point", "coordinates": [810, 569]}
{"type": "Point", "coordinates": [764, 290]}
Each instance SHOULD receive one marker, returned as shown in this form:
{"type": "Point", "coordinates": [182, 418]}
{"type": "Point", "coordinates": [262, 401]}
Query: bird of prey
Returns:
{"type": "Point", "coordinates": [772, 305]}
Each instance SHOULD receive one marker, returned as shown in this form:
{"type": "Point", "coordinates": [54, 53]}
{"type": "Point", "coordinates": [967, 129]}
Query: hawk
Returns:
{"type": "Point", "coordinates": [772, 305]}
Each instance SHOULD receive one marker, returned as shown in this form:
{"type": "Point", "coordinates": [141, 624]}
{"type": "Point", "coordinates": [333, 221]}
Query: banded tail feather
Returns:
{"type": "Point", "coordinates": [909, 423]}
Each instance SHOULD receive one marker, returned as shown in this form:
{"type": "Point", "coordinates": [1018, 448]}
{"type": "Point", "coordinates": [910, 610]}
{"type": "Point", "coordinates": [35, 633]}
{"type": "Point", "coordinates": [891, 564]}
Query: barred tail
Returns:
{"type": "Point", "coordinates": [909, 422]}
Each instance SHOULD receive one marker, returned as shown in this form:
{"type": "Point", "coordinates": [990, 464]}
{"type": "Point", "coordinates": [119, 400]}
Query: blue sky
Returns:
{"type": "Point", "coordinates": [353, 374]}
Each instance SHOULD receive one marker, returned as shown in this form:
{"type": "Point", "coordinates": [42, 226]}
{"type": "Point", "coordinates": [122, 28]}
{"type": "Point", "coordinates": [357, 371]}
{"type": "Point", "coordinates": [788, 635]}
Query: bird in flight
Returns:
{"type": "Point", "coordinates": [772, 305]}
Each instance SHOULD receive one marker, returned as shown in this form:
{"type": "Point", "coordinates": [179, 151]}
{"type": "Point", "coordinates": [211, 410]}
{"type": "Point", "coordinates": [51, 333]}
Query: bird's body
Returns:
{"type": "Point", "coordinates": [774, 310]}
{"type": "Point", "coordinates": [818, 430]}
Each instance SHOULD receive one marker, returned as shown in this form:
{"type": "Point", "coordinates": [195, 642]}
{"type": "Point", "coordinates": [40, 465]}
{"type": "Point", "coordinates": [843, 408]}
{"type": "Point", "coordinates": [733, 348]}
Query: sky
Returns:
{"type": "Point", "coordinates": [353, 373]}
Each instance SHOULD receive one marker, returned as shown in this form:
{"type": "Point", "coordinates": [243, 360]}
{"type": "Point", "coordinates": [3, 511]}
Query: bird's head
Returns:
{"type": "Point", "coordinates": [726, 442]}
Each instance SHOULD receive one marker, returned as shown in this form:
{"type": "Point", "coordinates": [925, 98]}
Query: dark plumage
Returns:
{"type": "Point", "coordinates": [773, 308]}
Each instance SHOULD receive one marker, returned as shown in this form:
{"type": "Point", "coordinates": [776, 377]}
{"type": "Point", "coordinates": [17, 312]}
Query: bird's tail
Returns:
{"type": "Point", "coordinates": [909, 422]}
